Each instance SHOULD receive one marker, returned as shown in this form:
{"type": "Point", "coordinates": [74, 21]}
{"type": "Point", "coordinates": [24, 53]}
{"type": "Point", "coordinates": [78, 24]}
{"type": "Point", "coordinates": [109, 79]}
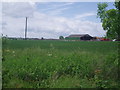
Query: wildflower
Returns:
{"type": "Point", "coordinates": [97, 71]}
{"type": "Point", "coordinates": [13, 51]}
{"type": "Point", "coordinates": [49, 54]}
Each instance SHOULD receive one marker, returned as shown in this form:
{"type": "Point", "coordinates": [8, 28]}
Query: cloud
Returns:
{"type": "Point", "coordinates": [0, 19]}
{"type": "Point", "coordinates": [59, 0]}
{"type": "Point", "coordinates": [57, 11]}
{"type": "Point", "coordinates": [42, 25]}
{"type": "Point", "coordinates": [85, 15]}
{"type": "Point", "coordinates": [18, 9]}
{"type": "Point", "coordinates": [45, 25]}
{"type": "Point", "coordinates": [55, 8]}
{"type": "Point", "coordinates": [62, 5]}
{"type": "Point", "coordinates": [56, 5]}
{"type": "Point", "coordinates": [13, 26]}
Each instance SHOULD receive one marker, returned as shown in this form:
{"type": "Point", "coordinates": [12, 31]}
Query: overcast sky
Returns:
{"type": "Point", "coordinates": [51, 19]}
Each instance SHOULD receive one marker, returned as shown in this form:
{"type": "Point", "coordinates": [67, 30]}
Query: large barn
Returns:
{"type": "Point", "coordinates": [79, 37]}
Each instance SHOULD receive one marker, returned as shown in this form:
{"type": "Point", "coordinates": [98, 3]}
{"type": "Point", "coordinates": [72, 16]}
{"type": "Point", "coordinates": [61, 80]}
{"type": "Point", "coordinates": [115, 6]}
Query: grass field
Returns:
{"type": "Point", "coordinates": [59, 64]}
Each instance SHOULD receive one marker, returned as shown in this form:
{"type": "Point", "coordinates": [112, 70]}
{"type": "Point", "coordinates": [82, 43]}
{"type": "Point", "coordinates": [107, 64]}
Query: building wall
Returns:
{"type": "Point", "coordinates": [72, 38]}
{"type": "Point", "coordinates": [79, 37]}
{"type": "Point", "coordinates": [86, 38]}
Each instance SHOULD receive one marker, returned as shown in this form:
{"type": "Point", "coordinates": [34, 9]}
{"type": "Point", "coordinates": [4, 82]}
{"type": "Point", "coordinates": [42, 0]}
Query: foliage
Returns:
{"type": "Point", "coordinates": [59, 64]}
{"type": "Point", "coordinates": [110, 20]}
{"type": "Point", "coordinates": [61, 37]}
{"type": "Point", "coordinates": [117, 4]}
{"type": "Point", "coordinates": [101, 10]}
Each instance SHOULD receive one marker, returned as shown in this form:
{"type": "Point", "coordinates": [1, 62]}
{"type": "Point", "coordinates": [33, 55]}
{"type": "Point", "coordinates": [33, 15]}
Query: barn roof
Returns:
{"type": "Point", "coordinates": [78, 35]}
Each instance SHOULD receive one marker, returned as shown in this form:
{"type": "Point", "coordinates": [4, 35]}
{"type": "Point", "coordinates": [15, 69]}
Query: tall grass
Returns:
{"type": "Point", "coordinates": [60, 64]}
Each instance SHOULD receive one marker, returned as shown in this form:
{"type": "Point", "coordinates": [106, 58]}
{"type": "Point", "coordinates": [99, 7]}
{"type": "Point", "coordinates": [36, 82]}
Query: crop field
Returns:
{"type": "Point", "coordinates": [59, 64]}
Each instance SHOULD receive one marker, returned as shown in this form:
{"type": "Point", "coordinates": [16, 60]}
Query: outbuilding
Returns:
{"type": "Point", "coordinates": [86, 37]}
{"type": "Point", "coordinates": [79, 37]}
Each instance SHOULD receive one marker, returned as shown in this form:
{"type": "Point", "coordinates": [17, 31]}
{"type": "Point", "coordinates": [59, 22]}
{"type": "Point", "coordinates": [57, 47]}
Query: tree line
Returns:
{"type": "Point", "coordinates": [110, 19]}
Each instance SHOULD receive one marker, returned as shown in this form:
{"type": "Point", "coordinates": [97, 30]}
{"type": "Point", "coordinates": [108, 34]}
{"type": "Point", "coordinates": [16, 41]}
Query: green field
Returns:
{"type": "Point", "coordinates": [59, 64]}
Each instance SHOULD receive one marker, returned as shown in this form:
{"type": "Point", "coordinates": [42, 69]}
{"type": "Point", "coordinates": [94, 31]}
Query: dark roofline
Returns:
{"type": "Point", "coordinates": [77, 35]}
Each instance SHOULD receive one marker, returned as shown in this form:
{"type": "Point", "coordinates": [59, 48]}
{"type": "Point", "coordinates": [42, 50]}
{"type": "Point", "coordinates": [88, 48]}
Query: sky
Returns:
{"type": "Point", "coordinates": [51, 19]}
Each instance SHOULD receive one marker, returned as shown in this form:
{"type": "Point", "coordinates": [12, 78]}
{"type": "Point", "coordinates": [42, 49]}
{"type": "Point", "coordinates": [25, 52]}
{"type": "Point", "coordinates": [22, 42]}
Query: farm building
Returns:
{"type": "Point", "coordinates": [79, 37]}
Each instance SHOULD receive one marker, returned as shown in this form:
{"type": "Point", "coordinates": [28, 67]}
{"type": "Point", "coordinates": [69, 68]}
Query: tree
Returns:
{"type": "Point", "coordinates": [117, 4]}
{"type": "Point", "coordinates": [42, 38]}
{"type": "Point", "coordinates": [110, 19]}
{"type": "Point", "coordinates": [61, 37]}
